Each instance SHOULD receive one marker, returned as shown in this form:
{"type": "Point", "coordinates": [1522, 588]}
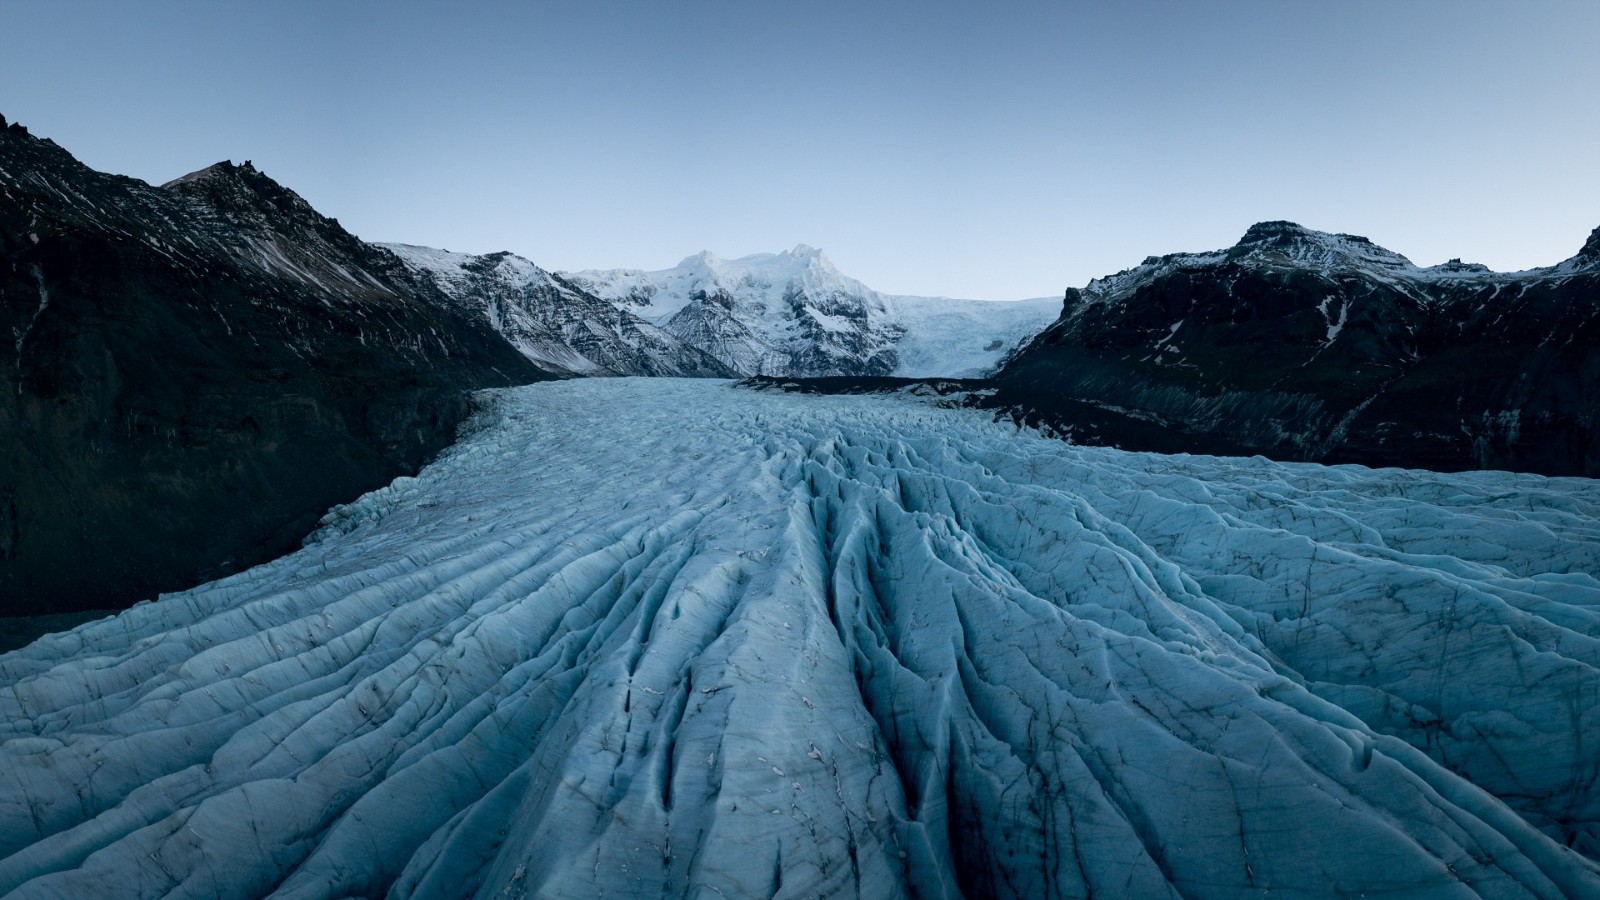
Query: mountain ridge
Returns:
{"type": "Point", "coordinates": [1301, 344]}
{"type": "Point", "coordinates": [551, 321]}
{"type": "Point", "coordinates": [197, 371]}
{"type": "Point", "coordinates": [794, 314]}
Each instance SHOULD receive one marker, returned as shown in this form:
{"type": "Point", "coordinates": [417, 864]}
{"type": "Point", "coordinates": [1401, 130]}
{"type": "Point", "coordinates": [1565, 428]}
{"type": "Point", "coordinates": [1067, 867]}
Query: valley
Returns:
{"type": "Point", "coordinates": [662, 637]}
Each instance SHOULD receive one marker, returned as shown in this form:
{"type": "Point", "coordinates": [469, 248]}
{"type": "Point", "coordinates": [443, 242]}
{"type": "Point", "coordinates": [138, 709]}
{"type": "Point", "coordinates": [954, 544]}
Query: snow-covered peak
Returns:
{"type": "Point", "coordinates": [794, 313]}
{"type": "Point", "coordinates": [804, 266]}
{"type": "Point", "coordinates": [765, 282]}
{"type": "Point", "coordinates": [560, 326]}
{"type": "Point", "coordinates": [705, 259]}
{"type": "Point", "coordinates": [452, 270]}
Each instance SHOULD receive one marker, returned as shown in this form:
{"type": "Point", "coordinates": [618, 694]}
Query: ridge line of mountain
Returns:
{"type": "Point", "coordinates": [198, 371]}
{"type": "Point", "coordinates": [1305, 345]}
{"type": "Point", "coordinates": [217, 335]}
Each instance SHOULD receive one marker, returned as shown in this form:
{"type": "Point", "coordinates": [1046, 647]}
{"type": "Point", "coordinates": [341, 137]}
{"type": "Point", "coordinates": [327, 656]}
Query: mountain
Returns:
{"type": "Point", "coordinates": [559, 326]}
{"type": "Point", "coordinates": [1299, 344]}
{"type": "Point", "coordinates": [838, 647]}
{"type": "Point", "coordinates": [196, 371]}
{"type": "Point", "coordinates": [795, 314]}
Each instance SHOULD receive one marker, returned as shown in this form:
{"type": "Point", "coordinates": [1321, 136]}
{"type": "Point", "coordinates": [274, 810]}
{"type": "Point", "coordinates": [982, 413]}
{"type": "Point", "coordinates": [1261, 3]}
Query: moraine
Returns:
{"type": "Point", "coordinates": [648, 637]}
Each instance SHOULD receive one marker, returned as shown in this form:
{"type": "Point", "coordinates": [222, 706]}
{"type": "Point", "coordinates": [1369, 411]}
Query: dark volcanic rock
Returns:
{"type": "Point", "coordinates": [195, 372]}
{"type": "Point", "coordinates": [1302, 345]}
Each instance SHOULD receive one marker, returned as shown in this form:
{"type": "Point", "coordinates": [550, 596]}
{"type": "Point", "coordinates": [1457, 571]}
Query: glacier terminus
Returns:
{"type": "Point", "coordinates": [639, 637]}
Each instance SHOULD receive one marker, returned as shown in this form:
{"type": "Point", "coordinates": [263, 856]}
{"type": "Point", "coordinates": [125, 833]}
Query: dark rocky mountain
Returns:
{"type": "Point", "coordinates": [555, 323]}
{"type": "Point", "coordinates": [196, 372]}
{"type": "Point", "coordinates": [1302, 345]}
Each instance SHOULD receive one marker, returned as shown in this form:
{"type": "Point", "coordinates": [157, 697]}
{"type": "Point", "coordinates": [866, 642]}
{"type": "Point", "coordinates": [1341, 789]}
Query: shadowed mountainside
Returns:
{"type": "Point", "coordinates": [1302, 345]}
{"type": "Point", "coordinates": [196, 372]}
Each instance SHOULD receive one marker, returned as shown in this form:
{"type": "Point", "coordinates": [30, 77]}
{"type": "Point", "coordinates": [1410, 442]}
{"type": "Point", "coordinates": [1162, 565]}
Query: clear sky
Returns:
{"type": "Point", "coordinates": [994, 150]}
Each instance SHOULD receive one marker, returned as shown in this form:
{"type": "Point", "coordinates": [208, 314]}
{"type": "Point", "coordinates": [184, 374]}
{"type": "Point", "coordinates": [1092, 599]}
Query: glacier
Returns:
{"type": "Point", "coordinates": [673, 637]}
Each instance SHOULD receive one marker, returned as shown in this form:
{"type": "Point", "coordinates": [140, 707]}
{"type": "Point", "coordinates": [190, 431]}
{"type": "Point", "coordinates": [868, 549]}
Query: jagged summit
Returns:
{"type": "Point", "coordinates": [227, 173]}
{"type": "Point", "coordinates": [1457, 267]}
{"type": "Point", "coordinates": [1590, 251]}
{"type": "Point", "coordinates": [786, 313]}
{"type": "Point", "coordinates": [39, 153]}
{"type": "Point", "coordinates": [793, 313]}
{"type": "Point", "coordinates": [224, 169]}
{"type": "Point", "coordinates": [243, 192]}
{"type": "Point", "coordinates": [556, 324]}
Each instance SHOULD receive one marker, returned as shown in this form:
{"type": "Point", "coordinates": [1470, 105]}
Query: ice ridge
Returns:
{"type": "Point", "coordinates": [837, 646]}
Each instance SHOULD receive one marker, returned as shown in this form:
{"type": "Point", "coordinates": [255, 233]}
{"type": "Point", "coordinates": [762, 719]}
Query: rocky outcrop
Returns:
{"type": "Point", "coordinates": [1298, 344]}
{"type": "Point", "coordinates": [194, 373]}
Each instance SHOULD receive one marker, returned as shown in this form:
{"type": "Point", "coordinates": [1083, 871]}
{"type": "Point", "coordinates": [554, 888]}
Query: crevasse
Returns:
{"type": "Point", "coordinates": [666, 637]}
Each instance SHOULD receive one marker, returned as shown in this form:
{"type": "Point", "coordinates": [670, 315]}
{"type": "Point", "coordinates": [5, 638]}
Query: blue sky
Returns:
{"type": "Point", "coordinates": [999, 150]}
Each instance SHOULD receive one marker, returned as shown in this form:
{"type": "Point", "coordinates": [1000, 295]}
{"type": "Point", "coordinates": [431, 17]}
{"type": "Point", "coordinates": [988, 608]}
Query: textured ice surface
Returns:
{"type": "Point", "coordinates": [635, 637]}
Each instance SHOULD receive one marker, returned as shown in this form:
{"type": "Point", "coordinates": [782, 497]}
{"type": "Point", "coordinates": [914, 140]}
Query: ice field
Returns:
{"type": "Point", "coordinates": [640, 637]}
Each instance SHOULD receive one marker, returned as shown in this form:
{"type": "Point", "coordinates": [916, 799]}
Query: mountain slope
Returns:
{"type": "Point", "coordinates": [795, 314]}
{"type": "Point", "coordinates": [1304, 345]}
{"type": "Point", "coordinates": [557, 325]}
{"type": "Point", "coordinates": [194, 372]}
{"type": "Point", "coordinates": [838, 647]}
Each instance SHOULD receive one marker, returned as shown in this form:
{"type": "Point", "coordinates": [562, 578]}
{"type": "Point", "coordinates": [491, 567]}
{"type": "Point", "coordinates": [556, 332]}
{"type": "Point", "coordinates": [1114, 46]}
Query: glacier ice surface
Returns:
{"type": "Point", "coordinates": [639, 637]}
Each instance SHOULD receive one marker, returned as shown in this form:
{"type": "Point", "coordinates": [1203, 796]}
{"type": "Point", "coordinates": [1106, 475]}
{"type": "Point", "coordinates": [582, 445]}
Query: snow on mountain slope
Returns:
{"type": "Point", "coordinates": [1289, 247]}
{"type": "Point", "coordinates": [1301, 344]}
{"type": "Point", "coordinates": [941, 337]}
{"type": "Point", "coordinates": [837, 646]}
{"type": "Point", "coordinates": [795, 314]}
{"type": "Point", "coordinates": [558, 326]}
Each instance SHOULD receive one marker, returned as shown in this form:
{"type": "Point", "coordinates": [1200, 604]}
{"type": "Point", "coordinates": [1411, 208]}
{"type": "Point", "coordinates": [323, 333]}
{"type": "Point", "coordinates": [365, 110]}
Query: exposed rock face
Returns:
{"type": "Point", "coordinates": [1303, 345]}
{"type": "Point", "coordinates": [555, 323]}
{"type": "Point", "coordinates": [793, 314]}
{"type": "Point", "coordinates": [194, 373]}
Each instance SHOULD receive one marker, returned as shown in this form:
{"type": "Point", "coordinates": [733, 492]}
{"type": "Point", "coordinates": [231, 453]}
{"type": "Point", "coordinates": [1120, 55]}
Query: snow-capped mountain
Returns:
{"type": "Point", "coordinates": [838, 647]}
{"type": "Point", "coordinates": [195, 372]}
{"type": "Point", "coordinates": [795, 314]}
{"type": "Point", "coordinates": [1306, 345]}
{"type": "Point", "coordinates": [559, 326]}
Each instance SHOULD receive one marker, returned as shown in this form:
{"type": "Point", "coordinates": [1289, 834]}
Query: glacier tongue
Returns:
{"type": "Point", "coordinates": [662, 637]}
